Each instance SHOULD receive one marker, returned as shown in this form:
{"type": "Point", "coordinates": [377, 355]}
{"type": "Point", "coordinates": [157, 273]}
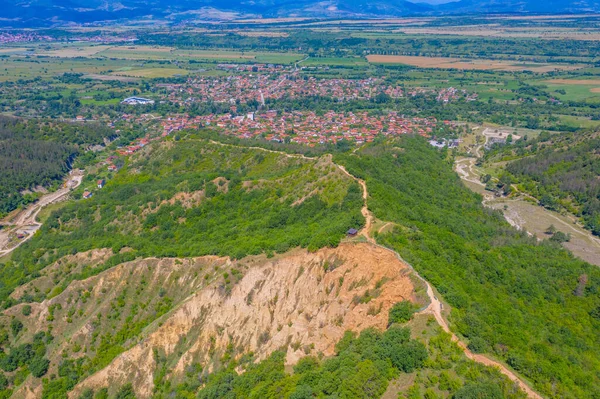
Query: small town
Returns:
{"type": "Point", "coordinates": [259, 88]}
{"type": "Point", "coordinates": [296, 127]}
{"type": "Point", "coordinates": [302, 127]}
{"type": "Point", "coordinates": [307, 127]}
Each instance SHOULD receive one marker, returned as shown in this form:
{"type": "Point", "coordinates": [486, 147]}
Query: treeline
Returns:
{"type": "Point", "coordinates": [287, 147]}
{"type": "Point", "coordinates": [38, 153]}
{"type": "Point", "coordinates": [29, 163]}
{"type": "Point", "coordinates": [47, 130]}
{"type": "Point", "coordinates": [521, 300]}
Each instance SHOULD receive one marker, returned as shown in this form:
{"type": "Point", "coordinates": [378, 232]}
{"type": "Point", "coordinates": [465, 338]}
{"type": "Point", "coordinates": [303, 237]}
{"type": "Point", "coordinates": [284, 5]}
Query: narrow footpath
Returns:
{"type": "Point", "coordinates": [435, 306]}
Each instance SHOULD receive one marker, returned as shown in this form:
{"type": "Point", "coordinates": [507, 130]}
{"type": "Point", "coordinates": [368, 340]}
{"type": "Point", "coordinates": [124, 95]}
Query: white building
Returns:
{"type": "Point", "coordinates": [137, 101]}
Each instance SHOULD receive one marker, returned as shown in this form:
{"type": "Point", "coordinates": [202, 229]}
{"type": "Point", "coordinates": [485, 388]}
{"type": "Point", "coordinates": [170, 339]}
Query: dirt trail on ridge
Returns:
{"type": "Point", "coordinates": [365, 232]}
{"type": "Point", "coordinates": [435, 307]}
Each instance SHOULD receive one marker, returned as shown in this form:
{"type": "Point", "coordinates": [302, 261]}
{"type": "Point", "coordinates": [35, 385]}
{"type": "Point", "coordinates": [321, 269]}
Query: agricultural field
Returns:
{"type": "Point", "coordinates": [158, 53]}
{"type": "Point", "coordinates": [466, 65]}
{"type": "Point", "coordinates": [150, 72]}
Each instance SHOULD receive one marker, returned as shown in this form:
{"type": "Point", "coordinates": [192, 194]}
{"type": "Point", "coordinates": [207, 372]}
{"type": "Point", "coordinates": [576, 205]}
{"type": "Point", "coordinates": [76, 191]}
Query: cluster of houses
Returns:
{"type": "Point", "coordinates": [442, 143]}
{"type": "Point", "coordinates": [135, 146]}
{"type": "Point", "coordinates": [20, 37]}
{"type": "Point", "coordinates": [253, 67]}
{"type": "Point", "coordinates": [308, 127]}
{"type": "Point", "coordinates": [450, 94]}
{"type": "Point", "coordinates": [99, 184]}
{"type": "Point", "coordinates": [261, 87]}
{"type": "Point", "coordinates": [103, 39]}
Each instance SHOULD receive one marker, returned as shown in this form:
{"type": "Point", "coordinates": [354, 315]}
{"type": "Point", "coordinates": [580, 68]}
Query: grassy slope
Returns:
{"type": "Point", "coordinates": [263, 202]}
{"type": "Point", "coordinates": [511, 296]}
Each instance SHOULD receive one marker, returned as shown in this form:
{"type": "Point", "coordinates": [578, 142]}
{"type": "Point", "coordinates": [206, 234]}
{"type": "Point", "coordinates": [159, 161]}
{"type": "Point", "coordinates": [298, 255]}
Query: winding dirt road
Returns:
{"type": "Point", "coordinates": [435, 309]}
{"type": "Point", "coordinates": [26, 221]}
{"type": "Point", "coordinates": [435, 306]}
{"type": "Point", "coordinates": [583, 244]}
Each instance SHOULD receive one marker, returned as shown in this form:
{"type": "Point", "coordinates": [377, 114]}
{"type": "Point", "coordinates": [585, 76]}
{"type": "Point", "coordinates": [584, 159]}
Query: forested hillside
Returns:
{"type": "Point", "coordinates": [531, 304]}
{"type": "Point", "coordinates": [38, 153]}
{"type": "Point", "coordinates": [562, 172]}
{"type": "Point", "coordinates": [193, 198]}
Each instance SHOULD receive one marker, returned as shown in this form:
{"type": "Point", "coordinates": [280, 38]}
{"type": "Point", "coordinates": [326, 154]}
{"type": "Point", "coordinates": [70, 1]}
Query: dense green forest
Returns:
{"type": "Point", "coordinates": [38, 153]}
{"type": "Point", "coordinates": [80, 134]}
{"type": "Point", "coordinates": [27, 164]}
{"type": "Point", "coordinates": [561, 172]}
{"type": "Point", "coordinates": [522, 301]}
{"type": "Point", "coordinates": [192, 198]}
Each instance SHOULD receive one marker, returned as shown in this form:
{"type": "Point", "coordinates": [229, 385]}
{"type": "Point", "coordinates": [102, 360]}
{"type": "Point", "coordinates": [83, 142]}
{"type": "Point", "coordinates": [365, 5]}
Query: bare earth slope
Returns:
{"type": "Point", "coordinates": [300, 301]}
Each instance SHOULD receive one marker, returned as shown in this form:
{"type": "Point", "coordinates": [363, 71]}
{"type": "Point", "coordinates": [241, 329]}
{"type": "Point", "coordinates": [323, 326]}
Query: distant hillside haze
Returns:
{"type": "Point", "coordinates": [520, 6]}
{"type": "Point", "coordinates": [22, 13]}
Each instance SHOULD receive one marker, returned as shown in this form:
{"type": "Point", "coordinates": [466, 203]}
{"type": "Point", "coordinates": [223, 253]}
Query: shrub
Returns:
{"type": "Point", "coordinates": [87, 394]}
{"type": "Point", "coordinates": [26, 310]}
{"type": "Point", "coordinates": [16, 326]}
{"type": "Point", "coordinates": [479, 391]}
{"type": "Point", "coordinates": [39, 366]}
{"type": "Point", "coordinates": [126, 392]}
{"type": "Point", "coordinates": [3, 382]}
{"type": "Point", "coordinates": [401, 312]}
{"type": "Point", "coordinates": [477, 345]}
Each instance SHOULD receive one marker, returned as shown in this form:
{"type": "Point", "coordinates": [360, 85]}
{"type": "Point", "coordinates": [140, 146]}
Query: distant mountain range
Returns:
{"type": "Point", "coordinates": [48, 12]}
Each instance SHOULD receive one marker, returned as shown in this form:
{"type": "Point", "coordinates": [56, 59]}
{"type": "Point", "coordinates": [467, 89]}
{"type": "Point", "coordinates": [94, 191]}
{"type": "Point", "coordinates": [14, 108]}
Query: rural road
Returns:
{"type": "Point", "coordinates": [26, 219]}
{"type": "Point", "coordinates": [584, 244]}
{"type": "Point", "coordinates": [435, 306]}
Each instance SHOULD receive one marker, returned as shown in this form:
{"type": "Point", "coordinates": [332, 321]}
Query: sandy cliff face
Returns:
{"type": "Point", "coordinates": [300, 301]}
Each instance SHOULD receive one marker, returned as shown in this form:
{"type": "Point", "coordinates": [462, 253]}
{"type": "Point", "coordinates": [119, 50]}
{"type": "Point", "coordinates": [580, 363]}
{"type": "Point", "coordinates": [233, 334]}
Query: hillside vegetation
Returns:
{"type": "Point", "coordinates": [531, 304]}
{"type": "Point", "coordinates": [195, 198]}
{"type": "Point", "coordinates": [97, 326]}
